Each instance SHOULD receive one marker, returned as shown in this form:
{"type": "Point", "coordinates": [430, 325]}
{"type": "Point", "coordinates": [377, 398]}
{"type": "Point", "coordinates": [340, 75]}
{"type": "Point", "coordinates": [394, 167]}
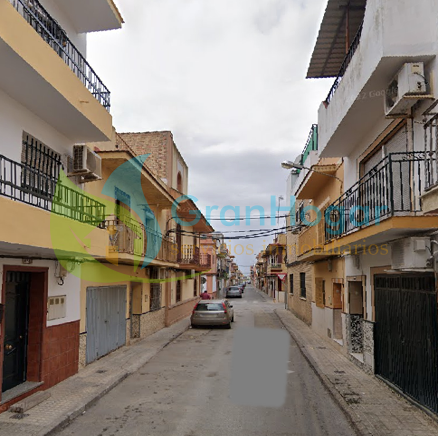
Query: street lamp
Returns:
{"type": "Point", "coordinates": [289, 165]}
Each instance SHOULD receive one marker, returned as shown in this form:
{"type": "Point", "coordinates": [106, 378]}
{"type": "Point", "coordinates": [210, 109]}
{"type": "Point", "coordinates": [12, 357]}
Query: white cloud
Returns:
{"type": "Point", "coordinates": [227, 77]}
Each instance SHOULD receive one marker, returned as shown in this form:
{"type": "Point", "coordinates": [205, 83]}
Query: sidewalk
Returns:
{"type": "Point", "coordinates": [73, 396]}
{"type": "Point", "coordinates": [373, 408]}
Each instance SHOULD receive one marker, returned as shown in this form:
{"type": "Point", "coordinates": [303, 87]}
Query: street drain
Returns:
{"type": "Point", "coordinates": [101, 371]}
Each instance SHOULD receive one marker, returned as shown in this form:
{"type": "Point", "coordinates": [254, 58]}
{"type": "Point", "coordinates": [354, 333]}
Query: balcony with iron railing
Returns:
{"type": "Point", "coordinates": [430, 194]}
{"type": "Point", "coordinates": [346, 62]}
{"type": "Point", "coordinates": [25, 184]}
{"type": "Point", "coordinates": [56, 37]}
{"type": "Point", "coordinates": [274, 268]}
{"type": "Point", "coordinates": [191, 257]}
{"type": "Point", "coordinates": [392, 188]}
{"type": "Point", "coordinates": [128, 236]}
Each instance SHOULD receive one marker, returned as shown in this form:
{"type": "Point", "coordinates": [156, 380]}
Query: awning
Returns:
{"type": "Point", "coordinates": [342, 20]}
{"type": "Point", "coordinates": [315, 179]}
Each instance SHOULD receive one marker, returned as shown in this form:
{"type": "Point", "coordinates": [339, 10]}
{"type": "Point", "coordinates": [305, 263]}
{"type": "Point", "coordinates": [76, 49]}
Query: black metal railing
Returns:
{"type": "Point", "coordinates": [55, 36]}
{"type": "Point", "coordinates": [392, 187]}
{"type": "Point", "coordinates": [345, 63]}
{"type": "Point", "coordinates": [431, 151]}
{"type": "Point", "coordinates": [22, 183]}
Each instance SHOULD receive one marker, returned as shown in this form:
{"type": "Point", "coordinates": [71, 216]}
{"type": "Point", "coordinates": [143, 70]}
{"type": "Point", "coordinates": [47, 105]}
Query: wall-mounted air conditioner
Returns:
{"type": "Point", "coordinates": [407, 87]}
{"type": "Point", "coordinates": [85, 163]}
{"type": "Point", "coordinates": [410, 253]}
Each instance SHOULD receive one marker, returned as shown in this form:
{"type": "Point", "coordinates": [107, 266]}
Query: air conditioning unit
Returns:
{"type": "Point", "coordinates": [85, 163]}
{"type": "Point", "coordinates": [405, 89]}
{"type": "Point", "coordinates": [410, 253]}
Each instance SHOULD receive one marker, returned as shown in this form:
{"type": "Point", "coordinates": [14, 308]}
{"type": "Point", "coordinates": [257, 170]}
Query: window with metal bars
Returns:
{"type": "Point", "coordinates": [155, 296]}
{"type": "Point", "coordinates": [41, 167]}
{"type": "Point", "coordinates": [303, 285]}
{"type": "Point", "coordinates": [178, 291]}
{"type": "Point", "coordinates": [291, 284]}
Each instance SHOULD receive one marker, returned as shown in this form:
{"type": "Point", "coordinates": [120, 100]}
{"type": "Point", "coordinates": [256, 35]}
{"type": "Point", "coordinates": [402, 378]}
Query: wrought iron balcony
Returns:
{"type": "Point", "coordinates": [191, 256]}
{"type": "Point", "coordinates": [392, 188]}
{"type": "Point", "coordinates": [431, 150]}
{"type": "Point", "coordinates": [345, 63]}
{"type": "Point", "coordinates": [28, 185]}
{"type": "Point", "coordinates": [55, 36]}
{"type": "Point", "coordinates": [125, 235]}
{"type": "Point", "coordinates": [128, 236]}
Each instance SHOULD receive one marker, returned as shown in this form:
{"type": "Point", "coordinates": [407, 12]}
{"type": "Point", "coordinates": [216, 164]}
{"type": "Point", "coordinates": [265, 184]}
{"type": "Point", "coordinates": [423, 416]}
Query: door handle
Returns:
{"type": "Point", "coordinates": [9, 349]}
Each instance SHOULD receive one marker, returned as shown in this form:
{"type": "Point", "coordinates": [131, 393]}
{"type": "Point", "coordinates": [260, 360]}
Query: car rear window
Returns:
{"type": "Point", "coordinates": [204, 307]}
{"type": "Point", "coordinates": [234, 288]}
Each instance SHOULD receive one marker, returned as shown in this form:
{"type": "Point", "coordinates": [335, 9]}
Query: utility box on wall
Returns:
{"type": "Point", "coordinates": [57, 307]}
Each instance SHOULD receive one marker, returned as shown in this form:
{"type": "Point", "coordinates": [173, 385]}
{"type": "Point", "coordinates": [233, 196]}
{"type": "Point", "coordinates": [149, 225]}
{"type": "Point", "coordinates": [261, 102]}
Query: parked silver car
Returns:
{"type": "Point", "coordinates": [234, 291]}
{"type": "Point", "coordinates": [212, 312]}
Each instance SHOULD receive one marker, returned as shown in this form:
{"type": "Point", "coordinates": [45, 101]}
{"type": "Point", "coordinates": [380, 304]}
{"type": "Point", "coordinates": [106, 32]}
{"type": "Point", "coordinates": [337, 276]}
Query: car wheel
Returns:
{"type": "Point", "coordinates": [194, 326]}
{"type": "Point", "coordinates": [228, 326]}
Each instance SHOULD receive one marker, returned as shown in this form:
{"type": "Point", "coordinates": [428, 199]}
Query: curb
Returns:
{"type": "Point", "coordinates": [65, 422]}
{"type": "Point", "coordinates": [357, 424]}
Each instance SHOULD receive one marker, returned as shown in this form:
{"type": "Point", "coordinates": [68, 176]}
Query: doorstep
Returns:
{"type": "Point", "coordinates": [357, 356]}
{"type": "Point", "coordinates": [19, 390]}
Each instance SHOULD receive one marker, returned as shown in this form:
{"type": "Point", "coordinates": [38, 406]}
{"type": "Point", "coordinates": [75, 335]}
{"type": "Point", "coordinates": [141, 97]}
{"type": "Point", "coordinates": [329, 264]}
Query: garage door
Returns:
{"type": "Point", "coordinates": [106, 320]}
{"type": "Point", "coordinates": [406, 335]}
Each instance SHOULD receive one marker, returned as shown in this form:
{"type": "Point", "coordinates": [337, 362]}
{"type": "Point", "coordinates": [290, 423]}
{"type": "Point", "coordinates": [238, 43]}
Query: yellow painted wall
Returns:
{"type": "Point", "coordinates": [23, 40]}
{"type": "Point", "coordinates": [30, 226]}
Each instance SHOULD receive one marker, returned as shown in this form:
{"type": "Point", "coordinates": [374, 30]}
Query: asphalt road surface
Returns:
{"type": "Point", "coordinates": [203, 385]}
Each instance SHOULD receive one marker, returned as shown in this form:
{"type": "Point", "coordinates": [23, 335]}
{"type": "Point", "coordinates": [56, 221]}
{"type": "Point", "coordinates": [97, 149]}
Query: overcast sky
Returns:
{"type": "Point", "coordinates": [227, 77]}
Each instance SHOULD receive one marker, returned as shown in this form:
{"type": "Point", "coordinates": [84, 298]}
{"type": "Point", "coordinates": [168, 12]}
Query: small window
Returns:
{"type": "Point", "coordinates": [178, 291]}
{"type": "Point", "coordinates": [155, 297]}
{"type": "Point", "coordinates": [41, 167]}
{"type": "Point", "coordinates": [291, 284]}
{"type": "Point", "coordinates": [320, 292]}
{"type": "Point", "coordinates": [179, 182]}
{"type": "Point", "coordinates": [303, 285]}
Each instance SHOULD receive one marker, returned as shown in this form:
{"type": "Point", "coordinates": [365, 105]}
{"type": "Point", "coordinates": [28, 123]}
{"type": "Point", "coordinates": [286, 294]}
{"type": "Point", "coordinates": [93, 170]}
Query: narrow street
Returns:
{"type": "Point", "coordinates": [185, 390]}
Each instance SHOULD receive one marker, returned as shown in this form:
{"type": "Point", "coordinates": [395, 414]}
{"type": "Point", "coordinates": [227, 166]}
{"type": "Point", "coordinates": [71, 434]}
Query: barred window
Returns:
{"type": "Point", "coordinates": [155, 296]}
{"type": "Point", "coordinates": [178, 291]}
{"type": "Point", "coordinates": [291, 284]}
{"type": "Point", "coordinates": [303, 285]}
{"type": "Point", "coordinates": [41, 167]}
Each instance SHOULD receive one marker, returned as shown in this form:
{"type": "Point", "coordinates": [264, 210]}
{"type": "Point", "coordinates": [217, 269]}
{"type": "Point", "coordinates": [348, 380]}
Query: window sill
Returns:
{"type": "Point", "coordinates": [302, 298]}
